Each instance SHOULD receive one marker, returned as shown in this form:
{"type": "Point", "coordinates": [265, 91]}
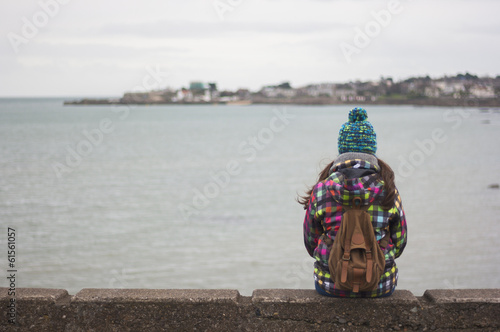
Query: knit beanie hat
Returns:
{"type": "Point", "coordinates": [357, 135]}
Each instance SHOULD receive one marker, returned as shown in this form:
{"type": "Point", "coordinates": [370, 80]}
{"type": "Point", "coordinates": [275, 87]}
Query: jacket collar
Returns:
{"type": "Point", "coordinates": [341, 161]}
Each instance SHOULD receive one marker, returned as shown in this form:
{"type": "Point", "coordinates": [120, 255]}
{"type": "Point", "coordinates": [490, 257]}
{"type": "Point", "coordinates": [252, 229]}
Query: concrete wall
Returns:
{"type": "Point", "coordinates": [266, 310]}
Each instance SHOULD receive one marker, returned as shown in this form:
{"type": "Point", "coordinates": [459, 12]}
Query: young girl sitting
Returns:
{"type": "Point", "coordinates": [356, 172]}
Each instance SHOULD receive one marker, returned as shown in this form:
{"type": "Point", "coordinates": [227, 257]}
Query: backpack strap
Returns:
{"type": "Point", "coordinates": [356, 204]}
{"type": "Point", "coordinates": [358, 273]}
{"type": "Point", "coordinates": [384, 242]}
{"type": "Point", "coordinates": [369, 264]}
{"type": "Point", "coordinates": [345, 259]}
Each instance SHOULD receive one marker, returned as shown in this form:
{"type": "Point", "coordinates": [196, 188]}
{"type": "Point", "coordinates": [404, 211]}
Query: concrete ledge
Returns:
{"type": "Point", "coordinates": [153, 309]}
{"type": "Point", "coordinates": [265, 310]}
{"type": "Point", "coordinates": [36, 309]}
{"type": "Point", "coordinates": [332, 313]}
{"type": "Point", "coordinates": [311, 296]}
{"type": "Point", "coordinates": [463, 295]}
{"type": "Point", "coordinates": [40, 295]}
{"type": "Point", "coordinates": [97, 295]}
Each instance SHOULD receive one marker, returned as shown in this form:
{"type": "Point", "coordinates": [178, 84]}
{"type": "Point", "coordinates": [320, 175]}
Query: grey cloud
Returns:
{"type": "Point", "coordinates": [177, 29]}
{"type": "Point", "coordinates": [90, 50]}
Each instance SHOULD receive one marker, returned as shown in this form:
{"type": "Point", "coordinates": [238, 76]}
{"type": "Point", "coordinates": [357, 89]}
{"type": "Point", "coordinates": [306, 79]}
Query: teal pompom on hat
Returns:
{"type": "Point", "coordinates": [357, 135]}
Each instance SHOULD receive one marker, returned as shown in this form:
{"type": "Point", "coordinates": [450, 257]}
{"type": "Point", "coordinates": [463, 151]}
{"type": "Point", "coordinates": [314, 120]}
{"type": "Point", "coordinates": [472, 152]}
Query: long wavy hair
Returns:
{"type": "Point", "coordinates": [386, 174]}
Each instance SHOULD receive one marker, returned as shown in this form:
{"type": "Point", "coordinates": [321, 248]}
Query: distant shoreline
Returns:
{"type": "Point", "coordinates": [447, 102]}
{"type": "Point", "coordinates": [457, 91]}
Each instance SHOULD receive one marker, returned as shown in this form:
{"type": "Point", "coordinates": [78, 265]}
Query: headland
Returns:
{"type": "Point", "coordinates": [456, 91]}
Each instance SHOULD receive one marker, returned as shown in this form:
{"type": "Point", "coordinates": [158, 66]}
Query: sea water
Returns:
{"type": "Point", "coordinates": [205, 196]}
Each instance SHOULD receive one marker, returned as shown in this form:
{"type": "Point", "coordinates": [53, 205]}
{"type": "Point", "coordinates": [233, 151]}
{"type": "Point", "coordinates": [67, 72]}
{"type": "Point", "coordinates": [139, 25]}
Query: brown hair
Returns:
{"type": "Point", "coordinates": [386, 174]}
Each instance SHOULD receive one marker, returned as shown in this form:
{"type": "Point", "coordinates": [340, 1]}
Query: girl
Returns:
{"type": "Point", "coordinates": [355, 172]}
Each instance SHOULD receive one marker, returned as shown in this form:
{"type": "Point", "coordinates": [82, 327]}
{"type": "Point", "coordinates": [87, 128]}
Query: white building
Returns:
{"type": "Point", "coordinates": [323, 89]}
{"type": "Point", "coordinates": [482, 91]}
{"type": "Point", "coordinates": [450, 88]}
{"type": "Point", "coordinates": [275, 92]}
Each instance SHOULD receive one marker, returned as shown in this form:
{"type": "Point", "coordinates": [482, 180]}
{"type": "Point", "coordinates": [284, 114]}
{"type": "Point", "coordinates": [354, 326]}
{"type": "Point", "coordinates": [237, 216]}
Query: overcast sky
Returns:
{"type": "Point", "coordinates": [107, 47]}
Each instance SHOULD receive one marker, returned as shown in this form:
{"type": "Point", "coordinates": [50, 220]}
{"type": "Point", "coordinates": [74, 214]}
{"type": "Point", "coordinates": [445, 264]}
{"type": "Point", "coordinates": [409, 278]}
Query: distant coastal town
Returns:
{"type": "Point", "coordinates": [460, 90]}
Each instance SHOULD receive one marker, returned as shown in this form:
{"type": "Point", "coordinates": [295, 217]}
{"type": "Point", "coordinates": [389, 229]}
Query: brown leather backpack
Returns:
{"type": "Point", "coordinates": [356, 261]}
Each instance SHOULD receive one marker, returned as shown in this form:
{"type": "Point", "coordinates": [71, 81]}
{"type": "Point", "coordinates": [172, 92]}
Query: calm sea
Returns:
{"type": "Point", "coordinates": [204, 196]}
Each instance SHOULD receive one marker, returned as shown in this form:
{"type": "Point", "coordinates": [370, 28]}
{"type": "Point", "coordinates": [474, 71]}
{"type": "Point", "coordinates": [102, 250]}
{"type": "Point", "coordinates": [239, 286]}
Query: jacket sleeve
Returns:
{"type": "Point", "coordinates": [312, 224]}
{"type": "Point", "coordinates": [398, 227]}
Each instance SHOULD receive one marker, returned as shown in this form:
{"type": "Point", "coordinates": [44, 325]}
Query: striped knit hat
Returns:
{"type": "Point", "coordinates": [357, 135]}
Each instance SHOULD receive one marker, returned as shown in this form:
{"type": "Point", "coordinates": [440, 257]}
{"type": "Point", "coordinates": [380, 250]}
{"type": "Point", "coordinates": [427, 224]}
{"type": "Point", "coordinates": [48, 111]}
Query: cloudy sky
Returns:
{"type": "Point", "coordinates": [104, 48]}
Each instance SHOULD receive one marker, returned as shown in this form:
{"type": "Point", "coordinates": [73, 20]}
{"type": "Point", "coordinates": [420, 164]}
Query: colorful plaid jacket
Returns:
{"type": "Point", "coordinates": [324, 215]}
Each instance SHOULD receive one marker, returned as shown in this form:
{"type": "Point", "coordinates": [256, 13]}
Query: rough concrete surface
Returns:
{"type": "Point", "coordinates": [266, 310]}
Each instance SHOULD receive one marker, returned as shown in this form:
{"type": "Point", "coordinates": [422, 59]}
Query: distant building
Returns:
{"type": "Point", "coordinates": [214, 94]}
{"type": "Point", "coordinates": [345, 94]}
{"type": "Point", "coordinates": [184, 95]}
{"type": "Point", "coordinates": [432, 91]}
{"type": "Point", "coordinates": [283, 90]}
{"type": "Point", "coordinates": [203, 92]}
{"type": "Point", "coordinates": [450, 87]}
{"type": "Point", "coordinates": [482, 91]}
{"type": "Point", "coordinates": [319, 90]}
{"type": "Point", "coordinates": [212, 86]}
{"type": "Point", "coordinates": [243, 94]}
{"type": "Point", "coordinates": [197, 86]}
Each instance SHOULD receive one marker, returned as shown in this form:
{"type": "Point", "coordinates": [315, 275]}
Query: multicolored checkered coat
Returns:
{"type": "Point", "coordinates": [324, 215]}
